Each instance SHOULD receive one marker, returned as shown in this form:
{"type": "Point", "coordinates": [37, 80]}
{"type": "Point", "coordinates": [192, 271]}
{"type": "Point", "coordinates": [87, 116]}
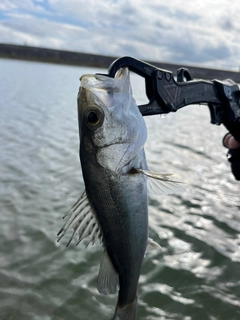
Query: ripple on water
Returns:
{"type": "Point", "coordinates": [194, 276]}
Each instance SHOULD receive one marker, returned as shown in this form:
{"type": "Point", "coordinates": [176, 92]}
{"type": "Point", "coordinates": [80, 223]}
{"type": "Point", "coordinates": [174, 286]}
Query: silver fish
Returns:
{"type": "Point", "coordinates": [114, 207]}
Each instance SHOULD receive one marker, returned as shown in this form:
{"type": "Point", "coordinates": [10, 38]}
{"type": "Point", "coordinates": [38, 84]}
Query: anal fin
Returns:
{"type": "Point", "coordinates": [152, 246]}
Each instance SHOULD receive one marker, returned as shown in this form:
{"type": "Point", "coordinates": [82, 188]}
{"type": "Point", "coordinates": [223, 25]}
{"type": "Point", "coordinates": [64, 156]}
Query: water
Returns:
{"type": "Point", "coordinates": [197, 274]}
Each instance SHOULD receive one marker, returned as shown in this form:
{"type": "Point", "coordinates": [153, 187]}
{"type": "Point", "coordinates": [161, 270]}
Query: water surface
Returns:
{"type": "Point", "coordinates": [195, 276]}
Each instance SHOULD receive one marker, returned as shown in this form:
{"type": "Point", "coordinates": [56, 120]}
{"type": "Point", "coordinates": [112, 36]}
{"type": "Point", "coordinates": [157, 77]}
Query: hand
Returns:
{"type": "Point", "coordinates": [230, 142]}
{"type": "Point", "coordinates": [233, 154]}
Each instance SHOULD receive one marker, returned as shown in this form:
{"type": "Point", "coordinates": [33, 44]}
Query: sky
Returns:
{"type": "Point", "coordinates": [191, 32]}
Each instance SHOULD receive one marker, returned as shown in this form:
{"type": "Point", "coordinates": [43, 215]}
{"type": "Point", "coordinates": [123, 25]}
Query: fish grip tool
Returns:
{"type": "Point", "coordinates": [167, 94]}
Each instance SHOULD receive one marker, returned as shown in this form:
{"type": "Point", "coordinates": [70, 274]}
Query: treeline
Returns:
{"type": "Point", "coordinates": [100, 61]}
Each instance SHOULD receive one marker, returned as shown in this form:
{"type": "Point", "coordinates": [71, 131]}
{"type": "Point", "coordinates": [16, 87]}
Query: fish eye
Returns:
{"type": "Point", "coordinates": [94, 116]}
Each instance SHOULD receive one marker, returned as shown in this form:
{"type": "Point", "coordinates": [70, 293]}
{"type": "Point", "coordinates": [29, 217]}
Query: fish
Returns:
{"type": "Point", "coordinates": [113, 209]}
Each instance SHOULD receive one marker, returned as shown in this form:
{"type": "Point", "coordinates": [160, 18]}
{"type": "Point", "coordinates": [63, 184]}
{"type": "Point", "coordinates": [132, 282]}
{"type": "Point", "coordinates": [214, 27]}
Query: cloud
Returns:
{"type": "Point", "coordinates": [199, 33]}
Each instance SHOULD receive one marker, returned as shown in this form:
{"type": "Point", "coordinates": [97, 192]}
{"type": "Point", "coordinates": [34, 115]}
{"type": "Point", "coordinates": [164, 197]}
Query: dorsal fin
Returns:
{"type": "Point", "coordinates": [82, 220]}
{"type": "Point", "coordinates": [108, 280]}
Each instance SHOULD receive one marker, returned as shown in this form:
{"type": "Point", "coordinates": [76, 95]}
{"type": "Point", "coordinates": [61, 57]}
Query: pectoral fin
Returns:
{"type": "Point", "coordinates": [82, 220]}
{"type": "Point", "coordinates": [159, 183]}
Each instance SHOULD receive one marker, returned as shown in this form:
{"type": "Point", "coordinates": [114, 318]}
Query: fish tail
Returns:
{"type": "Point", "coordinates": [127, 312]}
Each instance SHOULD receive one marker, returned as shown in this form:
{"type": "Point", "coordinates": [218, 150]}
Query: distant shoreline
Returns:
{"type": "Point", "coordinates": [100, 61]}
